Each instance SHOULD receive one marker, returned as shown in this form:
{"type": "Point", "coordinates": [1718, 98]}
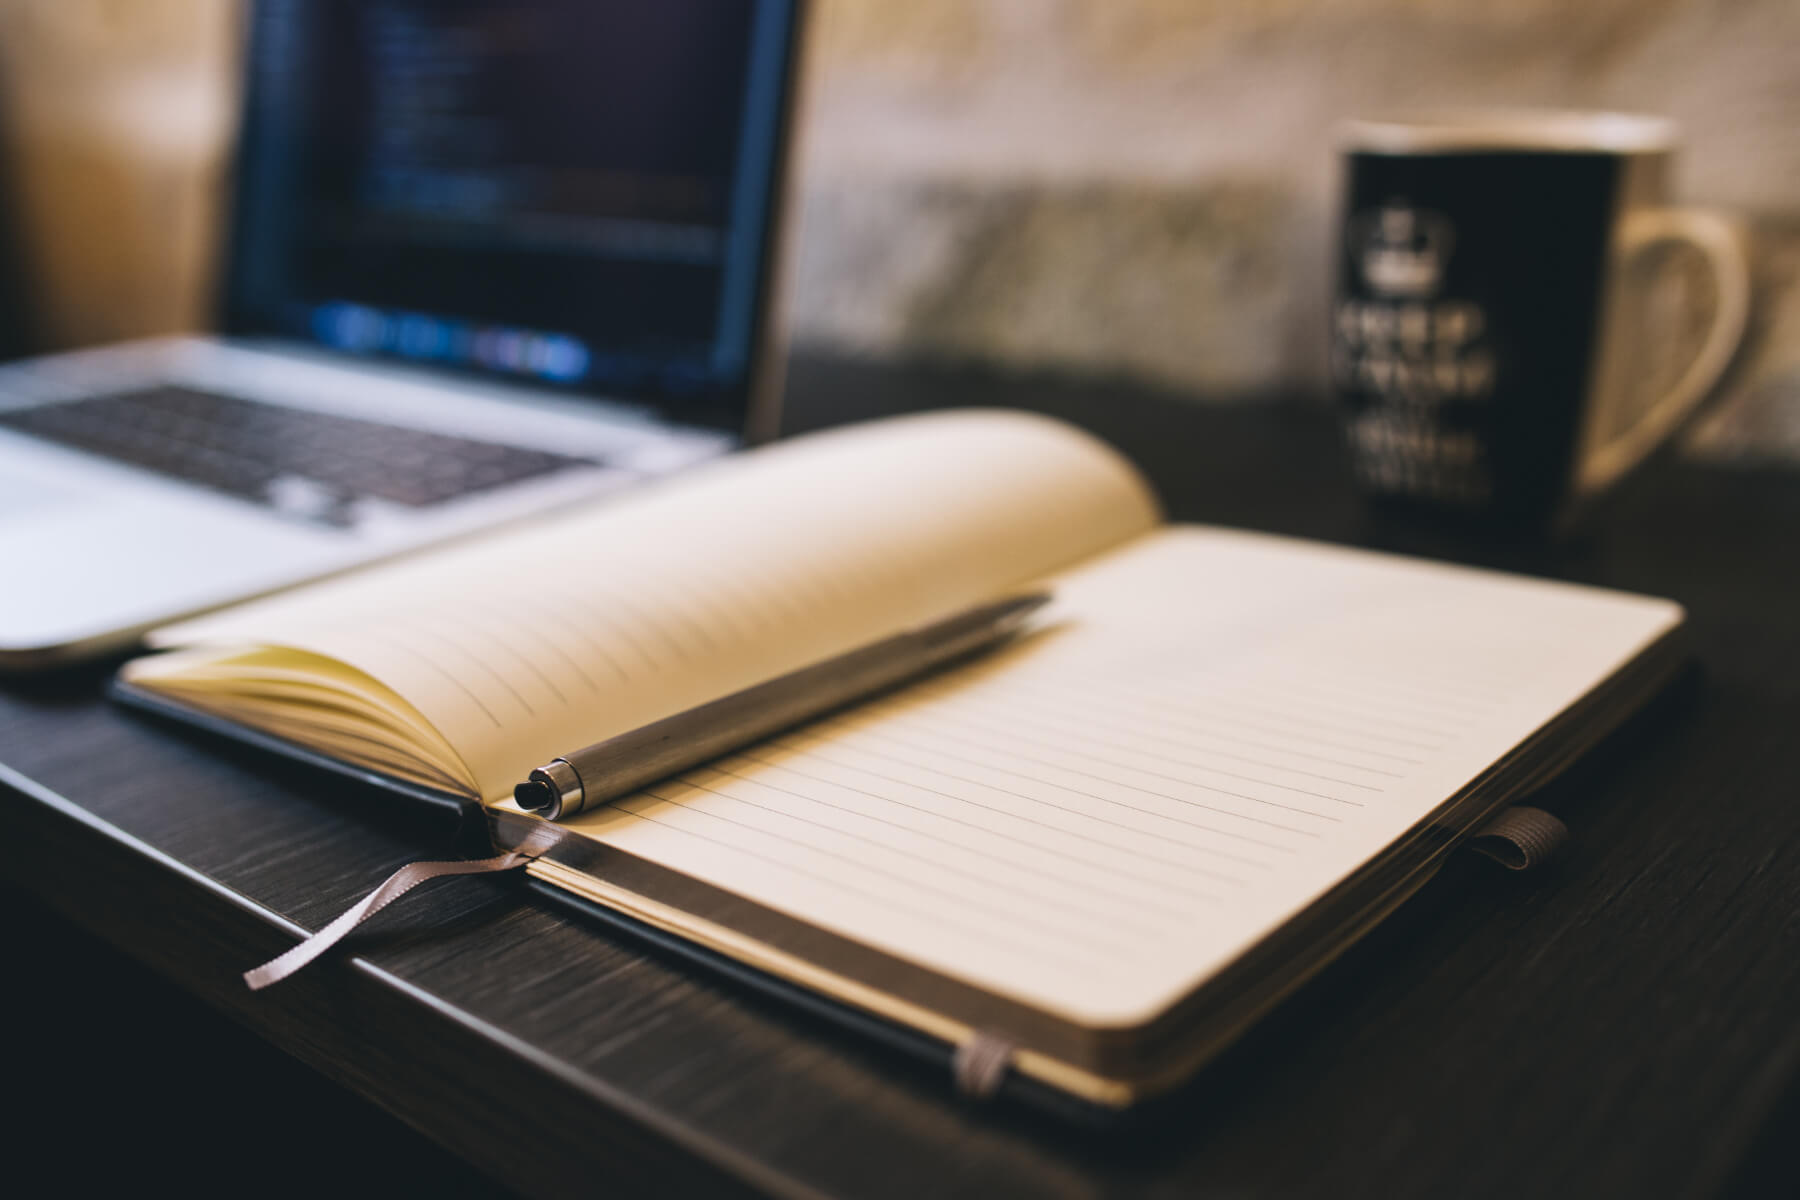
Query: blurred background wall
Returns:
{"type": "Point", "coordinates": [116, 114]}
{"type": "Point", "coordinates": [1140, 188]}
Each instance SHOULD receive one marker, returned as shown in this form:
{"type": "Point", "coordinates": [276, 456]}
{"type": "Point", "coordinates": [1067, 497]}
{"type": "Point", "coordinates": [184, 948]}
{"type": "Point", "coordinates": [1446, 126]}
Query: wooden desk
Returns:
{"type": "Point", "coordinates": [1626, 1023]}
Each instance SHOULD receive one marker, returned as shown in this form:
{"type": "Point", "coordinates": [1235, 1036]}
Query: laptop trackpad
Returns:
{"type": "Point", "coordinates": [38, 495]}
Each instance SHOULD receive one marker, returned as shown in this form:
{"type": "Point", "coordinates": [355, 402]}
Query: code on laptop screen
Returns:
{"type": "Point", "coordinates": [571, 191]}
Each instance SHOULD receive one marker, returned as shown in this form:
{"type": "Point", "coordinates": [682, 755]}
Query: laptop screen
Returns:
{"type": "Point", "coordinates": [578, 193]}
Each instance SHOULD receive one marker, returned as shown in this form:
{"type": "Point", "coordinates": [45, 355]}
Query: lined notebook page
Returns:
{"type": "Point", "coordinates": [532, 643]}
{"type": "Point", "coordinates": [1216, 729]}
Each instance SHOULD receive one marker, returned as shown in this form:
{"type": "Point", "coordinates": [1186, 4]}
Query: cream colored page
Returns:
{"type": "Point", "coordinates": [1221, 727]}
{"type": "Point", "coordinates": [534, 642]}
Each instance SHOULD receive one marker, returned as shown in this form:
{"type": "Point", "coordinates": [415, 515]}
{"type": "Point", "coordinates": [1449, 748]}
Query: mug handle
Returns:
{"type": "Point", "coordinates": [1719, 239]}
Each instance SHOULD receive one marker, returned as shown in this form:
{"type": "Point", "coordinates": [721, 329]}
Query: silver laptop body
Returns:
{"type": "Point", "coordinates": [391, 372]}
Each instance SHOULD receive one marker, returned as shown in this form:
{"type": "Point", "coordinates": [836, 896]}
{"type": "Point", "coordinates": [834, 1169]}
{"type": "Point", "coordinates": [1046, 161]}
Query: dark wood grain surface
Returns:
{"type": "Point", "coordinates": [1624, 1023]}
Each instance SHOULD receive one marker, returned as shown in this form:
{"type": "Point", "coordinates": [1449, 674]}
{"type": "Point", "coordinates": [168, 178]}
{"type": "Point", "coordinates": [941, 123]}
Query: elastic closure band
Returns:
{"type": "Point", "coordinates": [980, 1064]}
{"type": "Point", "coordinates": [1520, 838]}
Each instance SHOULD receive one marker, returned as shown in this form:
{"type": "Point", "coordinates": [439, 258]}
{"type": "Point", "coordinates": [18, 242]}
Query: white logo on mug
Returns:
{"type": "Point", "coordinates": [1402, 250]}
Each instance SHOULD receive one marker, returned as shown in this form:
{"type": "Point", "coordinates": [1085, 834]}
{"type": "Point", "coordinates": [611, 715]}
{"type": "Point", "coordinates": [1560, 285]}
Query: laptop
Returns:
{"type": "Point", "coordinates": [486, 259]}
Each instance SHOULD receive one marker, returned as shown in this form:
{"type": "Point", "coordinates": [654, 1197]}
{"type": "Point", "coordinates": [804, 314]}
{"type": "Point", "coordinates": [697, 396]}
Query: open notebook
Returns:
{"type": "Point", "coordinates": [1215, 760]}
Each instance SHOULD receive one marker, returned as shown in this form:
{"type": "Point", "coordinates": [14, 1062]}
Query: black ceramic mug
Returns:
{"type": "Point", "coordinates": [1490, 327]}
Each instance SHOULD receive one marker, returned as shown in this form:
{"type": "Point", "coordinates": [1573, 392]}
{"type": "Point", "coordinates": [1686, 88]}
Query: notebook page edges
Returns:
{"type": "Point", "coordinates": [536, 641]}
{"type": "Point", "coordinates": [314, 701]}
{"type": "Point", "coordinates": [1219, 729]}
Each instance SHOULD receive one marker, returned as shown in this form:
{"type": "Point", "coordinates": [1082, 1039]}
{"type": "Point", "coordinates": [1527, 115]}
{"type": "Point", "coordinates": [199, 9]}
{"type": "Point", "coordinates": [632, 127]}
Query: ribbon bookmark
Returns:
{"type": "Point", "coordinates": [397, 885]}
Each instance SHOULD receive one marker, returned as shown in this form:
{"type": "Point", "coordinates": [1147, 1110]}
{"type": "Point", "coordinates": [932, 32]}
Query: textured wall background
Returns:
{"type": "Point", "coordinates": [1149, 186]}
{"type": "Point", "coordinates": [1134, 187]}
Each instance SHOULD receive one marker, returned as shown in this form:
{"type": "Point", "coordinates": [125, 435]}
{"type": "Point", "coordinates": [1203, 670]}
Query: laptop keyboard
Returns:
{"type": "Point", "coordinates": [301, 462]}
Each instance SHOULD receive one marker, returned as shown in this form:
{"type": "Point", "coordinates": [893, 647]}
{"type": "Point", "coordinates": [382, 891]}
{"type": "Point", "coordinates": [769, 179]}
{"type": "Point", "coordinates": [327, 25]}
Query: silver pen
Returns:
{"type": "Point", "coordinates": [590, 777]}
